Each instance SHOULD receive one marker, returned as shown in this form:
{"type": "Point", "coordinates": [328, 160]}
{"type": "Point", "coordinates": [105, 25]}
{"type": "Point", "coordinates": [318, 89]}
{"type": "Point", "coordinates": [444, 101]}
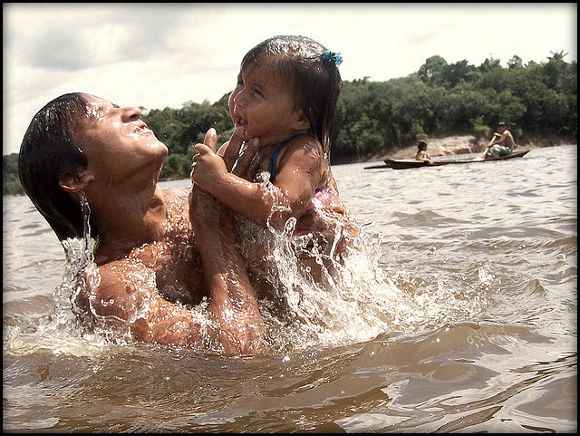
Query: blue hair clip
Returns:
{"type": "Point", "coordinates": [328, 55]}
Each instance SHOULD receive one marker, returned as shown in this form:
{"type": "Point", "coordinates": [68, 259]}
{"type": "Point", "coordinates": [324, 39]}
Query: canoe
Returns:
{"type": "Point", "coordinates": [400, 164]}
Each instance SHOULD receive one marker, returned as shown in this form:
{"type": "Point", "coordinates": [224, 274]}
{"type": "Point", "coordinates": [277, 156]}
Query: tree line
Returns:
{"type": "Point", "coordinates": [380, 117]}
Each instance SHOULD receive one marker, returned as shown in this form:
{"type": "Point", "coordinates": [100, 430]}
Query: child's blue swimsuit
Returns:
{"type": "Point", "coordinates": [272, 163]}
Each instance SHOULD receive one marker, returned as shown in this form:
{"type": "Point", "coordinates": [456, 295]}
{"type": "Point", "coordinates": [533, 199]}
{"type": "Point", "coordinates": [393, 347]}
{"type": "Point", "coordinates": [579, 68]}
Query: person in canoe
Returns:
{"type": "Point", "coordinates": [422, 153]}
{"type": "Point", "coordinates": [502, 143]}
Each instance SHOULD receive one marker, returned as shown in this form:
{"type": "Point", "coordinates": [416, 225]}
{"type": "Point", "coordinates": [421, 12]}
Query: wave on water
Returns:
{"type": "Point", "coordinates": [357, 301]}
{"type": "Point", "coordinates": [355, 298]}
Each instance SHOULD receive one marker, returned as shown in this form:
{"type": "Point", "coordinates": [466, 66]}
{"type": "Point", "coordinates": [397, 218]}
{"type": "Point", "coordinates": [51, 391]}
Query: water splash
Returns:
{"type": "Point", "coordinates": [61, 330]}
{"type": "Point", "coordinates": [80, 272]}
{"type": "Point", "coordinates": [354, 299]}
{"type": "Point", "coordinates": [73, 320]}
{"type": "Point", "coordinates": [347, 301]}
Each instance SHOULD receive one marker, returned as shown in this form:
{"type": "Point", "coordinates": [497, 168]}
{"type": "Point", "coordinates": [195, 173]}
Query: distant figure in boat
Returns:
{"type": "Point", "coordinates": [502, 143]}
{"type": "Point", "coordinates": [422, 152]}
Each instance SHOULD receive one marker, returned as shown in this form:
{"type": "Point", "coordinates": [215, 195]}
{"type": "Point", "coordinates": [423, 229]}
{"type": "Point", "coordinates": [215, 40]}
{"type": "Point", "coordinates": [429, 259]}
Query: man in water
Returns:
{"type": "Point", "coordinates": [502, 143]}
{"type": "Point", "coordinates": [167, 270]}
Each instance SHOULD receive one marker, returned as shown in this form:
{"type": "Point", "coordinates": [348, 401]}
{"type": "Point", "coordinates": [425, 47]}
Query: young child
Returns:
{"type": "Point", "coordinates": [285, 102]}
{"type": "Point", "coordinates": [422, 152]}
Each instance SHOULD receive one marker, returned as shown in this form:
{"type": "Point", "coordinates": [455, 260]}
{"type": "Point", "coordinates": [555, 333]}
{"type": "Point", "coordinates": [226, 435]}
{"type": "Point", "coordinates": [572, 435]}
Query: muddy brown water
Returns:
{"type": "Point", "coordinates": [467, 322]}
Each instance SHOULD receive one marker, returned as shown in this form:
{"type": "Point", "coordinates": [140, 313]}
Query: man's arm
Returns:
{"type": "Point", "coordinates": [126, 297]}
{"type": "Point", "coordinates": [233, 302]}
{"type": "Point", "coordinates": [502, 139]}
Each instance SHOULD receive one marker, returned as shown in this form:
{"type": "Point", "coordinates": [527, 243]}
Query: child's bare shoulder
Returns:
{"type": "Point", "coordinates": [304, 152]}
{"type": "Point", "coordinates": [305, 146]}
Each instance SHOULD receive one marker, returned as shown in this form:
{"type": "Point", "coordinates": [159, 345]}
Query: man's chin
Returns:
{"type": "Point", "coordinates": [161, 162]}
{"type": "Point", "coordinates": [159, 146]}
{"type": "Point", "coordinates": [158, 173]}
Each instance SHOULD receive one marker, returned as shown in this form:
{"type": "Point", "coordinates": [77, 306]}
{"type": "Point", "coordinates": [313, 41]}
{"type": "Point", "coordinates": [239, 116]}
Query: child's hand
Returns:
{"type": "Point", "coordinates": [207, 166]}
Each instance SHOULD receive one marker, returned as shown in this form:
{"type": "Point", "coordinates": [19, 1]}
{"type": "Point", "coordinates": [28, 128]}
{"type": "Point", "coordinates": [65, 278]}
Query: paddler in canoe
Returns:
{"type": "Point", "coordinates": [501, 144]}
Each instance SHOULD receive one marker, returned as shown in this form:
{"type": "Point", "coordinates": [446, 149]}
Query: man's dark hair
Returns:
{"type": "Point", "coordinates": [47, 153]}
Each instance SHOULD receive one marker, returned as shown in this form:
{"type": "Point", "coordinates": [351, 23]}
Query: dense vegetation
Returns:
{"type": "Point", "coordinates": [377, 118]}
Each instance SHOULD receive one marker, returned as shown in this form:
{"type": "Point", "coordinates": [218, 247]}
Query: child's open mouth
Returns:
{"type": "Point", "coordinates": [241, 122]}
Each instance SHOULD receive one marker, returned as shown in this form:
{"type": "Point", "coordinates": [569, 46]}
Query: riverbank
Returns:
{"type": "Point", "coordinates": [444, 146]}
{"type": "Point", "coordinates": [457, 144]}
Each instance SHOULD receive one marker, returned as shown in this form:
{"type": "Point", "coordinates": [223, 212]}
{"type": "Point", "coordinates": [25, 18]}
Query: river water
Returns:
{"type": "Point", "coordinates": [460, 315]}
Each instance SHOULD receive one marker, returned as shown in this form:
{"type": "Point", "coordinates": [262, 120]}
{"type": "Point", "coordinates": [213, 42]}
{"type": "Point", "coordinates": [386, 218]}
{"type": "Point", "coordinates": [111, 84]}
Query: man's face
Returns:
{"type": "Point", "coordinates": [117, 142]}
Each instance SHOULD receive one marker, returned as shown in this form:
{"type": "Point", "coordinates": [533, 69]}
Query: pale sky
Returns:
{"type": "Point", "coordinates": [163, 55]}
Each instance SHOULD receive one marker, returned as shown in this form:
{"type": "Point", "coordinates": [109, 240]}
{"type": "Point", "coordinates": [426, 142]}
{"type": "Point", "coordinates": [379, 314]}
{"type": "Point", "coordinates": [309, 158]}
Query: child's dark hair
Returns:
{"type": "Point", "coordinates": [313, 70]}
{"type": "Point", "coordinates": [422, 146]}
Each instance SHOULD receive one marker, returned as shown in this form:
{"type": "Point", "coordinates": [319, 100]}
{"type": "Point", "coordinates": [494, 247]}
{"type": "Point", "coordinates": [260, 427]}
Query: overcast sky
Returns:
{"type": "Point", "coordinates": [164, 55]}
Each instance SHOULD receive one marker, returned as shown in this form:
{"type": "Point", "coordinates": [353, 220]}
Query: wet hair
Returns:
{"type": "Point", "coordinates": [422, 145]}
{"type": "Point", "coordinates": [312, 72]}
{"type": "Point", "coordinates": [47, 153]}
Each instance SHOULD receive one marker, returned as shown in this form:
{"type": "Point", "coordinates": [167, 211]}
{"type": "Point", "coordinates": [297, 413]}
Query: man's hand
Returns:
{"type": "Point", "coordinates": [240, 155]}
{"type": "Point", "coordinates": [207, 166]}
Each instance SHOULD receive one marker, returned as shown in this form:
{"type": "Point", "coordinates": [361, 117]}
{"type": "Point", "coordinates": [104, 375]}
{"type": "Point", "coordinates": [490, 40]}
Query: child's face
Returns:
{"type": "Point", "coordinates": [263, 105]}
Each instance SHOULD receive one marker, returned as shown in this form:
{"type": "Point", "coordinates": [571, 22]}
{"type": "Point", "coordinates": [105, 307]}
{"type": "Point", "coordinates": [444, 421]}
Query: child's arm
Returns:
{"type": "Point", "coordinates": [211, 173]}
{"type": "Point", "coordinates": [298, 173]}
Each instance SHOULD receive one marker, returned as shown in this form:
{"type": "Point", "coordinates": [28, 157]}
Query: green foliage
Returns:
{"type": "Point", "coordinates": [177, 166]}
{"type": "Point", "coordinates": [515, 62]}
{"type": "Point", "coordinates": [376, 118]}
{"type": "Point", "coordinates": [12, 184]}
{"type": "Point", "coordinates": [480, 130]}
{"type": "Point", "coordinates": [432, 68]}
{"type": "Point", "coordinates": [10, 181]}
{"type": "Point", "coordinates": [181, 129]}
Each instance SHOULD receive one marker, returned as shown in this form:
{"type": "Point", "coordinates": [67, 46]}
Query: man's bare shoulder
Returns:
{"type": "Point", "coordinates": [119, 281]}
{"type": "Point", "coordinates": [122, 270]}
